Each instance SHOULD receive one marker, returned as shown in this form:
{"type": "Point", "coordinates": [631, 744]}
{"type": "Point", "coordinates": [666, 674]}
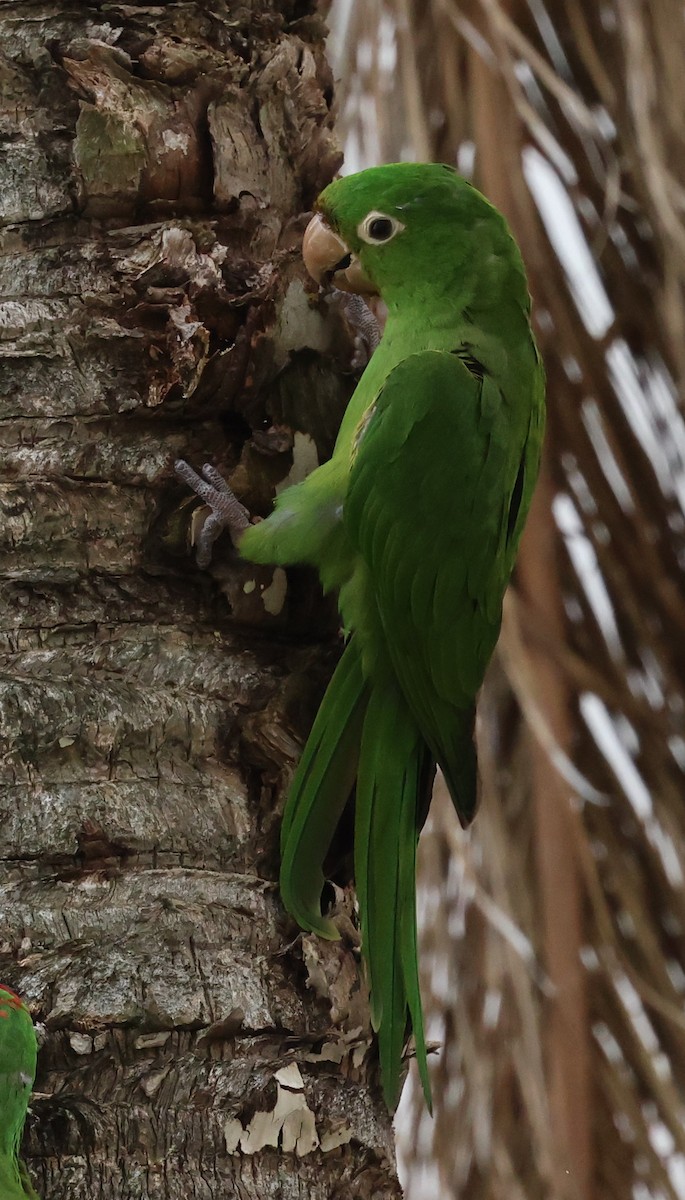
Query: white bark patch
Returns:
{"type": "Point", "coordinates": [353, 1044]}
{"type": "Point", "coordinates": [264, 1130]}
{"type": "Point", "coordinates": [291, 1121]}
{"type": "Point", "coordinates": [335, 1138]}
{"type": "Point", "coordinates": [81, 1043]}
{"type": "Point", "coordinates": [305, 460]}
{"type": "Point", "coordinates": [299, 326]}
{"type": "Point", "coordinates": [330, 1052]}
{"type": "Point", "coordinates": [299, 1127]}
{"type": "Point", "coordinates": [359, 1053]}
{"type": "Point", "coordinates": [175, 141]}
{"type": "Point", "coordinates": [273, 597]}
{"type": "Point", "coordinates": [290, 1077]}
{"type": "Point", "coordinates": [233, 1131]}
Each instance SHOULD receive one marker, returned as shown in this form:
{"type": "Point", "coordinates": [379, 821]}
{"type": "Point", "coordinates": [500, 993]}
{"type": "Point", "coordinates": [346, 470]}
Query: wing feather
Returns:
{"type": "Point", "coordinates": [428, 508]}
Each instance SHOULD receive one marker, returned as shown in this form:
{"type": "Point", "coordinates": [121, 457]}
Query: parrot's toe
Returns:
{"type": "Point", "coordinates": [226, 510]}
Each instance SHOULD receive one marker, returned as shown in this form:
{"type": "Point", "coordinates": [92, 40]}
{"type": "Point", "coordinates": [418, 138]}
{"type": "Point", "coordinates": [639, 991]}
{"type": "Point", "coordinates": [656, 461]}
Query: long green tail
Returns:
{"type": "Point", "coordinates": [395, 771]}
{"type": "Point", "coordinates": [320, 789]}
{"type": "Point", "coordinates": [373, 737]}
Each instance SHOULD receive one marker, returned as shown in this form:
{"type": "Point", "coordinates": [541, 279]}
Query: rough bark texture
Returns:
{"type": "Point", "coordinates": [156, 160]}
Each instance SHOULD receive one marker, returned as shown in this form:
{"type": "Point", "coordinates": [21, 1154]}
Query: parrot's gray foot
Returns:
{"type": "Point", "coordinates": [227, 511]}
{"type": "Point", "coordinates": [367, 331]}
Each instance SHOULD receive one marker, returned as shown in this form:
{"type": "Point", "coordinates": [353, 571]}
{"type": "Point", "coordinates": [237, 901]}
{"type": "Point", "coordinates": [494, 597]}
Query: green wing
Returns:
{"type": "Point", "coordinates": [443, 469]}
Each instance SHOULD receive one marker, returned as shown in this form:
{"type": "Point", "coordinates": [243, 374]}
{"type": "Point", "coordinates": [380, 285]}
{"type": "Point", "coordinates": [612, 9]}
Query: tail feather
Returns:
{"type": "Point", "coordinates": [390, 785]}
{"type": "Point", "coordinates": [319, 791]}
{"type": "Point", "coordinates": [411, 820]}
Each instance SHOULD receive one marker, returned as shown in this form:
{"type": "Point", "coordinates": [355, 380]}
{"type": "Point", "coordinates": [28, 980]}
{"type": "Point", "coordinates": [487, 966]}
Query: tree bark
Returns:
{"type": "Point", "coordinates": [157, 160]}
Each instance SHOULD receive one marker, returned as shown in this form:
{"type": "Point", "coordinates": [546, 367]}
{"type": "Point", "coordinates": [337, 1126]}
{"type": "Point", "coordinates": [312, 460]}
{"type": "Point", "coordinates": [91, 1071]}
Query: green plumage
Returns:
{"type": "Point", "coordinates": [18, 1051]}
{"type": "Point", "coordinates": [415, 521]}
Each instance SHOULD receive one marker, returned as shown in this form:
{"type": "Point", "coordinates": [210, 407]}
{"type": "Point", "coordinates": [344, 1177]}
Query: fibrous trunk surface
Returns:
{"type": "Point", "coordinates": [157, 160]}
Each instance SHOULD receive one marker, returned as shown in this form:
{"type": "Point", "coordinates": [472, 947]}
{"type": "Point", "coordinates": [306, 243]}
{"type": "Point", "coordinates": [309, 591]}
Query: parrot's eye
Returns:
{"type": "Point", "coordinates": [377, 228]}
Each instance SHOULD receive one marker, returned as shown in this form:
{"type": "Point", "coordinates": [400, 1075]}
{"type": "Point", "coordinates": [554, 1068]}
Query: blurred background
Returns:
{"type": "Point", "coordinates": [554, 932]}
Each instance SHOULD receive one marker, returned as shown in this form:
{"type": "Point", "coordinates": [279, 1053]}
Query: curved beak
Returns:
{"type": "Point", "coordinates": [329, 260]}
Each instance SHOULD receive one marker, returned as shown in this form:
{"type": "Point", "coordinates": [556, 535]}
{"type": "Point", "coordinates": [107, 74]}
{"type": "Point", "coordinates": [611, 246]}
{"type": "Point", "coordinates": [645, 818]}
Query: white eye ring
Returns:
{"type": "Point", "coordinates": [386, 228]}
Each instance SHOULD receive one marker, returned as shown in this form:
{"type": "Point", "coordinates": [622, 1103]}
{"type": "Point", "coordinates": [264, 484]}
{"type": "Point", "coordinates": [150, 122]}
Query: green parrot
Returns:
{"type": "Point", "coordinates": [18, 1051]}
{"type": "Point", "coordinates": [415, 522]}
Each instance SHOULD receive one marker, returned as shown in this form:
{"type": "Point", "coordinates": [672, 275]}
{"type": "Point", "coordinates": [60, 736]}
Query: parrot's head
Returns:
{"type": "Point", "coordinates": [17, 1048]}
{"type": "Point", "coordinates": [9, 999]}
{"type": "Point", "coordinates": [384, 229]}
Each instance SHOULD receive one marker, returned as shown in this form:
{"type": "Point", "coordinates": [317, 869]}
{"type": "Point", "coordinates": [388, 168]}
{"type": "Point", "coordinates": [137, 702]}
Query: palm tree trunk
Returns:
{"type": "Point", "coordinates": [157, 160]}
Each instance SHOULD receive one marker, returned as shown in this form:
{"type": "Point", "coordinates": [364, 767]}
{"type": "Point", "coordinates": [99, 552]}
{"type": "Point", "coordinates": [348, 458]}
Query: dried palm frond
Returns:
{"type": "Point", "coordinates": [554, 943]}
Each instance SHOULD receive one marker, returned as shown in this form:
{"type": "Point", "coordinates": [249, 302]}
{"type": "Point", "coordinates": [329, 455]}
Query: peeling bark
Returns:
{"type": "Point", "coordinates": [157, 160]}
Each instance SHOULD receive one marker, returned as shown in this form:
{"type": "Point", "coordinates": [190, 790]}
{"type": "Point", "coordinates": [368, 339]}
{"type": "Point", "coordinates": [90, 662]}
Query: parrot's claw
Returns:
{"type": "Point", "coordinates": [367, 332]}
{"type": "Point", "coordinates": [227, 511]}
